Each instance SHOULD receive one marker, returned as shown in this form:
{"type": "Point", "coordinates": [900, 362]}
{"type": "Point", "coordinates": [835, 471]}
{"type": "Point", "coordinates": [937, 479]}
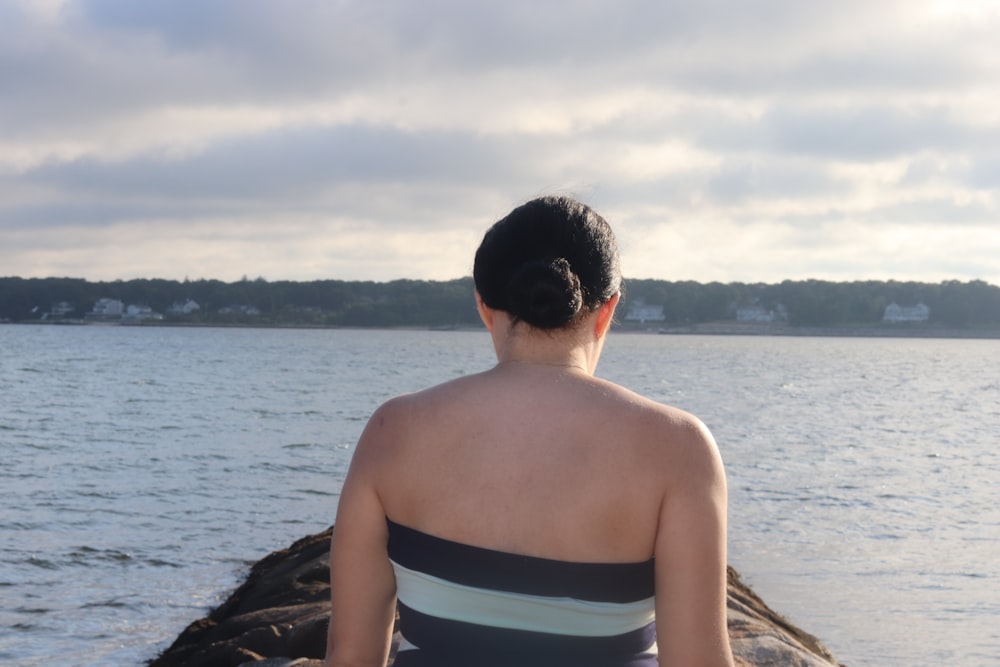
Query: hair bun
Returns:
{"type": "Point", "coordinates": [516, 270]}
{"type": "Point", "coordinates": [544, 294]}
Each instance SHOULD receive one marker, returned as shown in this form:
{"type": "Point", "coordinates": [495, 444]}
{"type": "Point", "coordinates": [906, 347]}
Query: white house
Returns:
{"type": "Point", "coordinates": [896, 313]}
{"type": "Point", "coordinates": [140, 313]}
{"type": "Point", "coordinates": [61, 309]}
{"type": "Point", "coordinates": [186, 308]}
{"type": "Point", "coordinates": [239, 310]}
{"type": "Point", "coordinates": [757, 313]}
{"type": "Point", "coordinates": [108, 308]}
{"type": "Point", "coordinates": [640, 311]}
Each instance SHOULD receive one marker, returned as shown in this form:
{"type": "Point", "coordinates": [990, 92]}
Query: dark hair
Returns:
{"type": "Point", "coordinates": [547, 261]}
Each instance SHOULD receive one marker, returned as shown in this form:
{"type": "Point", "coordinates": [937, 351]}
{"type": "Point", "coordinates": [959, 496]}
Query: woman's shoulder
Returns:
{"type": "Point", "coordinates": [649, 412]}
{"type": "Point", "coordinates": [404, 412]}
{"type": "Point", "coordinates": [665, 429]}
{"type": "Point", "coordinates": [418, 402]}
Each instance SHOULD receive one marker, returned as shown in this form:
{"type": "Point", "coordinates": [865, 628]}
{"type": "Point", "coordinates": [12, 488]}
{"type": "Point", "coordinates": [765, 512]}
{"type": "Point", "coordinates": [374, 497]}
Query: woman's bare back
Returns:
{"type": "Point", "coordinates": [537, 460]}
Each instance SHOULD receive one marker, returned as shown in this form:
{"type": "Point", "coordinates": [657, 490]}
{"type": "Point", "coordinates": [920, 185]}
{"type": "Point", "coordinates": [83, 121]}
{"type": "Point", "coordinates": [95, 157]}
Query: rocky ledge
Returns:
{"type": "Point", "coordinates": [278, 618]}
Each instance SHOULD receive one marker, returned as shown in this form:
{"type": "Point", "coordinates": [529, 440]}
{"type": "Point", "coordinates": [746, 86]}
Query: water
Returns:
{"type": "Point", "coordinates": [145, 468]}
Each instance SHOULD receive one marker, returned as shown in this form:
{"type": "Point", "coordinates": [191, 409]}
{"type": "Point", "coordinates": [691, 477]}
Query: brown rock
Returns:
{"type": "Point", "coordinates": [273, 614]}
{"type": "Point", "coordinates": [761, 637]}
{"type": "Point", "coordinates": [279, 616]}
{"type": "Point", "coordinates": [308, 636]}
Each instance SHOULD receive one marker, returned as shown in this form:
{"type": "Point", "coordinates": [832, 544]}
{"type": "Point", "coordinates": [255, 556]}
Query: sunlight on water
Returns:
{"type": "Point", "coordinates": [147, 467]}
{"type": "Point", "coordinates": [862, 483]}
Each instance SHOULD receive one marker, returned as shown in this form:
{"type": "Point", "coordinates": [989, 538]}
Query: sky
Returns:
{"type": "Point", "coordinates": [724, 140]}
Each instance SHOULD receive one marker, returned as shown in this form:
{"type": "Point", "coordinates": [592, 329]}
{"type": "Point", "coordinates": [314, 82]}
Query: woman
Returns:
{"type": "Point", "coordinates": [533, 514]}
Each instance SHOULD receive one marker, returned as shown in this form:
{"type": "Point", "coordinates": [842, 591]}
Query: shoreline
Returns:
{"type": "Point", "coordinates": [846, 331]}
{"type": "Point", "coordinates": [701, 329]}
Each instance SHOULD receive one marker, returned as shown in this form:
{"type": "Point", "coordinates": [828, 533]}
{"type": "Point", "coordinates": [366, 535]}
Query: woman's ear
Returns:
{"type": "Point", "coordinates": [605, 315]}
{"type": "Point", "coordinates": [486, 314]}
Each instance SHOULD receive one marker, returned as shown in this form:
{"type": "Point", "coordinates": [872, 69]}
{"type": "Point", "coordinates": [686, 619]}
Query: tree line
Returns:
{"type": "Point", "coordinates": [420, 303]}
{"type": "Point", "coordinates": [819, 303]}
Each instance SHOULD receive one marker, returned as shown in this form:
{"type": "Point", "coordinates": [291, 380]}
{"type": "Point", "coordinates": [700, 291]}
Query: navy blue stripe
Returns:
{"type": "Point", "coordinates": [497, 570]}
{"type": "Point", "coordinates": [443, 643]}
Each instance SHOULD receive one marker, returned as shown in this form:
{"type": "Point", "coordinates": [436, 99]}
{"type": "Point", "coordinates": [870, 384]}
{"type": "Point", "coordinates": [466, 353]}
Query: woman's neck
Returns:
{"type": "Point", "coordinates": [578, 346]}
{"type": "Point", "coordinates": [539, 363]}
{"type": "Point", "coordinates": [563, 350]}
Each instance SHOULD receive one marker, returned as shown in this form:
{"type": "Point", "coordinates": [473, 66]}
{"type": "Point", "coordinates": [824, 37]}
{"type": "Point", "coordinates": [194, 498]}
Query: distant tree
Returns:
{"type": "Point", "coordinates": [435, 303]}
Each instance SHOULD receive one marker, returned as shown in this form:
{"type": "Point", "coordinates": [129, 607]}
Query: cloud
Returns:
{"type": "Point", "coordinates": [333, 139]}
{"type": "Point", "coordinates": [863, 134]}
{"type": "Point", "coordinates": [284, 162]}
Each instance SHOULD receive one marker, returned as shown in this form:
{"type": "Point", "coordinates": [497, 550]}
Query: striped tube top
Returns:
{"type": "Point", "coordinates": [465, 605]}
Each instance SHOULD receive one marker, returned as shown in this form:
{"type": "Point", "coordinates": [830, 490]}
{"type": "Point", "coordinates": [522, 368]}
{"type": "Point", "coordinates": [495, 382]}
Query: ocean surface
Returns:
{"type": "Point", "coordinates": [144, 469]}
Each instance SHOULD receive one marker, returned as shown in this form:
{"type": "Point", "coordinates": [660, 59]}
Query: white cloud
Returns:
{"type": "Point", "coordinates": [729, 140]}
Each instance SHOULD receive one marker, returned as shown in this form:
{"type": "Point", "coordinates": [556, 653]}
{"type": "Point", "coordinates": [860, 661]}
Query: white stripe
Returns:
{"type": "Point", "coordinates": [405, 645]}
{"type": "Point", "coordinates": [565, 616]}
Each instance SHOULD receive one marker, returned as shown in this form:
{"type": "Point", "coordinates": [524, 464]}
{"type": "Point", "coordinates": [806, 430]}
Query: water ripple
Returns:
{"type": "Point", "coordinates": [861, 486]}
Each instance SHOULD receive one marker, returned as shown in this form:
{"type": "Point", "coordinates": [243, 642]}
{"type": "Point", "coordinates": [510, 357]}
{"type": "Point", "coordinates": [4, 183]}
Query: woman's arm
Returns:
{"type": "Point", "coordinates": [691, 556]}
{"type": "Point", "coordinates": [362, 584]}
